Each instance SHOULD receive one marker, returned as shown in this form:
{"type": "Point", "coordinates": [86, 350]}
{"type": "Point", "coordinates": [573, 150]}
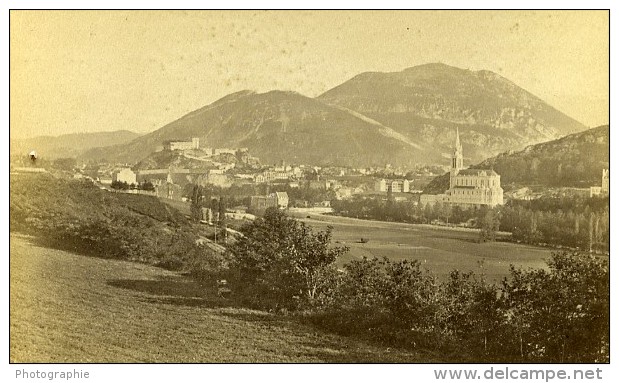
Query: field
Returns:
{"type": "Point", "coordinates": [66, 307]}
{"type": "Point", "coordinates": [439, 249]}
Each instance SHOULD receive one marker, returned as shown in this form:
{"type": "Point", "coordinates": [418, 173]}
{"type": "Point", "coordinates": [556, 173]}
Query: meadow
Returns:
{"type": "Point", "coordinates": [66, 307]}
{"type": "Point", "coordinates": [439, 249]}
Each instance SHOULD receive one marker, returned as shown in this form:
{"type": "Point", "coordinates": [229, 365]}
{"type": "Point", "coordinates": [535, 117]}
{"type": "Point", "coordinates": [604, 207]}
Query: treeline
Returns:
{"type": "Point", "coordinates": [587, 231]}
{"type": "Point", "coordinates": [409, 211]}
{"type": "Point", "coordinates": [559, 315]}
{"type": "Point", "coordinates": [575, 222]}
{"type": "Point", "coordinates": [123, 185]}
{"type": "Point", "coordinates": [76, 215]}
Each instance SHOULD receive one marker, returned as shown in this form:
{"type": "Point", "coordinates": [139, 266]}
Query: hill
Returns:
{"type": "Point", "coordinates": [69, 145]}
{"type": "Point", "coordinates": [575, 160]}
{"type": "Point", "coordinates": [77, 215]}
{"type": "Point", "coordinates": [425, 104]}
{"type": "Point", "coordinates": [274, 126]}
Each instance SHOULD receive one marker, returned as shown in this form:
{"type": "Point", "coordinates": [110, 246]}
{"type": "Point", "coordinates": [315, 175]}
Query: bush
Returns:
{"type": "Point", "coordinates": [282, 262]}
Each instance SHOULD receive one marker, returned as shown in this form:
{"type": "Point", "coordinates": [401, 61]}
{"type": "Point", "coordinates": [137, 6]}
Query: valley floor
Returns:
{"type": "Point", "coordinates": [73, 308]}
{"type": "Point", "coordinates": [439, 249]}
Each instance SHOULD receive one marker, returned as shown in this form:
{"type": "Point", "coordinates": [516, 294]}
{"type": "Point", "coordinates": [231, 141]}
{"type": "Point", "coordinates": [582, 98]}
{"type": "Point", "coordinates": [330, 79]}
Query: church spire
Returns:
{"type": "Point", "coordinates": [457, 160]}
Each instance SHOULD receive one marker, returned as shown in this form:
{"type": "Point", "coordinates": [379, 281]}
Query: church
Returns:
{"type": "Point", "coordinates": [469, 187]}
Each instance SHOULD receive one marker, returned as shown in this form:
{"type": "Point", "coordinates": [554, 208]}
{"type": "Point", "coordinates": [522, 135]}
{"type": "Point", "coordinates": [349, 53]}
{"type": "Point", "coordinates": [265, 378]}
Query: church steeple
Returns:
{"type": "Point", "coordinates": [457, 162]}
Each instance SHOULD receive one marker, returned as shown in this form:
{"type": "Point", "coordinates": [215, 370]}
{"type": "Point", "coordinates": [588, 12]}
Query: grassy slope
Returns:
{"type": "Point", "coordinates": [72, 308]}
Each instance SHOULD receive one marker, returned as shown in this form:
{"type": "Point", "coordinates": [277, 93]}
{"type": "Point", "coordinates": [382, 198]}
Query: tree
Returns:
{"type": "Point", "coordinates": [561, 315]}
{"type": "Point", "coordinates": [196, 202]}
{"type": "Point", "coordinates": [119, 185]}
{"type": "Point", "coordinates": [148, 186]}
{"type": "Point", "coordinates": [221, 210]}
{"type": "Point", "coordinates": [470, 310]}
{"type": "Point", "coordinates": [279, 258]}
{"type": "Point", "coordinates": [489, 225]}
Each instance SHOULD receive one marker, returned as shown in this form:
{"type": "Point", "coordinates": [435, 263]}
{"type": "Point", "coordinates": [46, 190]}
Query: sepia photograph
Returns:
{"type": "Point", "coordinates": [307, 186]}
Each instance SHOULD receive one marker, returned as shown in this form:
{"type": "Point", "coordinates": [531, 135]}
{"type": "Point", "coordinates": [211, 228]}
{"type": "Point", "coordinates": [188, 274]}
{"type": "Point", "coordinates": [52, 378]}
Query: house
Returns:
{"type": "Point", "coordinates": [282, 200]}
{"type": "Point", "coordinates": [259, 204]}
{"type": "Point", "coordinates": [125, 175]}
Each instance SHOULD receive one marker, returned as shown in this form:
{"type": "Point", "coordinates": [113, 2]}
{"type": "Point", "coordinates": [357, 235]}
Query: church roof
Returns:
{"type": "Point", "coordinates": [477, 172]}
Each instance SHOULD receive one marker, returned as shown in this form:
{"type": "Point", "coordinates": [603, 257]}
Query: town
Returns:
{"type": "Point", "coordinates": [309, 187]}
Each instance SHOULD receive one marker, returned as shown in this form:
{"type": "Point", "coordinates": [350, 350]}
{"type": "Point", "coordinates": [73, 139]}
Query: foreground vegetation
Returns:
{"type": "Point", "coordinates": [560, 315]}
{"type": "Point", "coordinates": [281, 265]}
{"type": "Point", "coordinates": [68, 308]}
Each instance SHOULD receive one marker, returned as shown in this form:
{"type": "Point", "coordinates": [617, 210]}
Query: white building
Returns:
{"type": "Point", "coordinates": [468, 187]}
{"type": "Point", "coordinates": [183, 145]}
{"type": "Point", "coordinates": [472, 187]}
{"type": "Point", "coordinates": [125, 175]}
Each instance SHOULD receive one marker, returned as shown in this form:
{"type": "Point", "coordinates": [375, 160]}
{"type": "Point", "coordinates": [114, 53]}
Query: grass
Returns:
{"type": "Point", "coordinates": [440, 250]}
{"type": "Point", "coordinates": [72, 308]}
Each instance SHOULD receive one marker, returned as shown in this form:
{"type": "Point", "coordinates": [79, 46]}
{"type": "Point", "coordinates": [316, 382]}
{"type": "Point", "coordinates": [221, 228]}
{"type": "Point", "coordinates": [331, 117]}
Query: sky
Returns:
{"type": "Point", "coordinates": [89, 71]}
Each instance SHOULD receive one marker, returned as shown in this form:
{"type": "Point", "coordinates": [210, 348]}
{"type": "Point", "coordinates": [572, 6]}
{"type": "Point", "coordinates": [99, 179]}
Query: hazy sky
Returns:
{"type": "Point", "coordinates": [76, 71]}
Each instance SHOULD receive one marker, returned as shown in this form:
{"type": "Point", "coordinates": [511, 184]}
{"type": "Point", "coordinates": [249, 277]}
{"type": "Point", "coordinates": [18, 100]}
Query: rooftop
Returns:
{"type": "Point", "coordinates": [478, 172]}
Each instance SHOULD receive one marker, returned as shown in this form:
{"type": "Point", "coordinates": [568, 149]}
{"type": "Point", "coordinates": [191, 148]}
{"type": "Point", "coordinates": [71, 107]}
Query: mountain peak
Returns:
{"type": "Point", "coordinates": [438, 66]}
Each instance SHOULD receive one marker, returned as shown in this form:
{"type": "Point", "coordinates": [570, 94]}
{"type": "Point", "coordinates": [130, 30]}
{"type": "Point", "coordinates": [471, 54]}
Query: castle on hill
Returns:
{"type": "Point", "coordinates": [468, 187]}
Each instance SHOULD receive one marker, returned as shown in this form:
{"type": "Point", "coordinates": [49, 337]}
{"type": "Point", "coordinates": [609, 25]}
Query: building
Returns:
{"type": "Point", "coordinates": [394, 186]}
{"type": "Point", "coordinates": [259, 204]}
{"type": "Point", "coordinates": [271, 175]}
{"type": "Point", "coordinates": [472, 187]}
{"type": "Point", "coordinates": [125, 175]}
{"type": "Point", "coordinates": [183, 145]}
{"type": "Point", "coordinates": [469, 187]}
{"type": "Point", "coordinates": [319, 184]}
{"type": "Point", "coordinates": [601, 190]}
{"type": "Point", "coordinates": [595, 191]}
{"type": "Point", "coordinates": [282, 199]}
{"type": "Point", "coordinates": [380, 185]}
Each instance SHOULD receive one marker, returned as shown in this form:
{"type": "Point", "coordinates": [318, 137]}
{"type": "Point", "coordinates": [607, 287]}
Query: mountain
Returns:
{"type": "Point", "coordinates": [278, 126]}
{"type": "Point", "coordinates": [575, 160]}
{"type": "Point", "coordinates": [404, 118]}
{"type": "Point", "coordinates": [426, 103]}
{"type": "Point", "coordinates": [69, 145]}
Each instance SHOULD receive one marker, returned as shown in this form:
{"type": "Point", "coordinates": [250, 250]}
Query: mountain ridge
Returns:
{"type": "Point", "coordinates": [70, 144]}
{"type": "Point", "coordinates": [427, 102]}
{"type": "Point", "coordinates": [401, 118]}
